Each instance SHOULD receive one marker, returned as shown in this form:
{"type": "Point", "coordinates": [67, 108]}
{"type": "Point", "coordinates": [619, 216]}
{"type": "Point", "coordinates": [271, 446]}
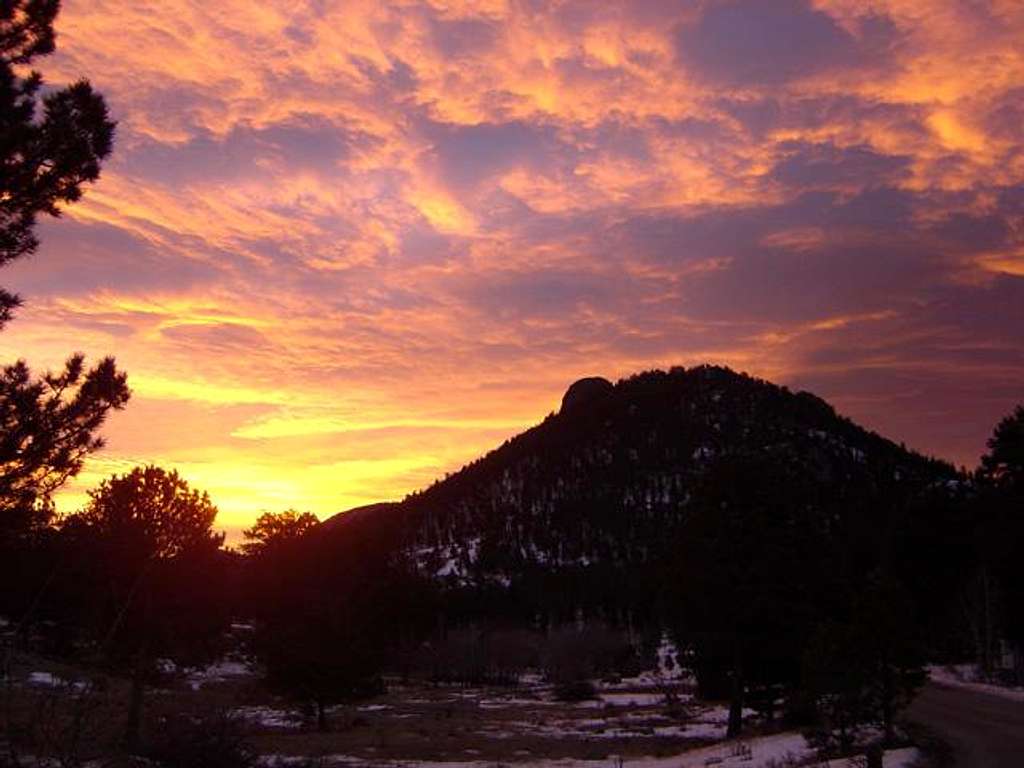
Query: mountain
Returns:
{"type": "Point", "coordinates": [588, 506]}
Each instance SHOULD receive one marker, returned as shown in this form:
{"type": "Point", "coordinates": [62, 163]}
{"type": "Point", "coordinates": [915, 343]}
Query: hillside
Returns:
{"type": "Point", "coordinates": [600, 489]}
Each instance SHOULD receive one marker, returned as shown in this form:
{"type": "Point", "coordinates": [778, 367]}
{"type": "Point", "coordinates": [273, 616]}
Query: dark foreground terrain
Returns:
{"type": "Point", "coordinates": [983, 730]}
{"type": "Point", "coordinates": [652, 720]}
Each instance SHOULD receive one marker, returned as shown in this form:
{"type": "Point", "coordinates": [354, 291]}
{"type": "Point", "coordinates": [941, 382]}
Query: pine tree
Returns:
{"type": "Point", "coordinates": [1003, 465]}
{"type": "Point", "coordinates": [151, 565]}
{"type": "Point", "coordinates": [49, 147]}
{"type": "Point", "coordinates": [47, 428]}
{"type": "Point", "coordinates": [272, 529]}
{"type": "Point", "coordinates": [1001, 539]}
{"type": "Point", "coordinates": [340, 608]}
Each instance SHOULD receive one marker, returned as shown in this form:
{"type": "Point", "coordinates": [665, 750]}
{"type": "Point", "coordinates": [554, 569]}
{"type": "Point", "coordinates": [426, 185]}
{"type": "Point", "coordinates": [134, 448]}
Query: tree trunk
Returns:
{"type": "Point", "coordinates": [845, 738]}
{"type": "Point", "coordinates": [133, 727]}
{"type": "Point", "coordinates": [974, 624]}
{"type": "Point", "coordinates": [888, 701]}
{"type": "Point", "coordinates": [987, 656]}
{"type": "Point", "coordinates": [979, 601]}
{"type": "Point", "coordinates": [321, 716]}
{"type": "Point", "coordinates": [735, 718]}
{"type": "Point", "coordinates": [735, 726]}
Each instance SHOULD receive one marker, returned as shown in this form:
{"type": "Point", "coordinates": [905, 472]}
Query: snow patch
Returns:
{"type": "Point", "coordinates": [512, 701]}
{"type": "Point", "coordinates": [907, 757]}
{"type": "Point", "coordinates": [645, 699]}
{"type": "Point", "coordinates": [966, 676]}
{"type": "Point", "coordinates": [669, 667]}
{"type": "Point", "coordinates": [218, 672]}
{"type": "Point", "coordinates": [50, 680]}
{"type": "Point", "coordinates": [267, 717]}
{"type": "Point", "coordinates": [456, 558]}
{"type": "Point", "coordinates": [755, 753]}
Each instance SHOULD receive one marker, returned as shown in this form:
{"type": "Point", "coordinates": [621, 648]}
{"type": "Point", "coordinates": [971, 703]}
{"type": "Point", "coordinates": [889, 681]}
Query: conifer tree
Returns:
{"type": "Point", "coordinates": [50, 147]}
{"type": "Point", "coordinates": [148, 587]}
{"type": "Point", "coordinates": [1001, 542]}
{"type": "Point", "coordinates": [1003, 465]}
{"type": "Point", "coordinates": [273, 529]}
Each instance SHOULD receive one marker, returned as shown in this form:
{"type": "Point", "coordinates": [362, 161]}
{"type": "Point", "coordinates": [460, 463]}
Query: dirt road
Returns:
{"type": "Point", "coordinates": [985, 731]}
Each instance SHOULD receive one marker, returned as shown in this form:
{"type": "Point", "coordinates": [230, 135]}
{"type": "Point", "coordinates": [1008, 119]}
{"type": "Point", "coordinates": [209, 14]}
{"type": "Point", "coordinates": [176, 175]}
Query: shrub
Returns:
{"type": "Point", "coordinates": [217, 741]}
{"type": "Point", "coordinates": [573, 654]}
{"type": "Point", "coordinates": [469, 656]}
{"type": "Point", "coordinates": [575, 690]}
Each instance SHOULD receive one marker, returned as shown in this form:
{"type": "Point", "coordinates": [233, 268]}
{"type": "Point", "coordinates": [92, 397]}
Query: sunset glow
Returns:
{"type": "Point", "coordinates": [344, 248]}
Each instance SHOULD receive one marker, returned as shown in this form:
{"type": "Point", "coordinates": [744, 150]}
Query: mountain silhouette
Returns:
{"type": "Point", "coordinates": [588, 504]}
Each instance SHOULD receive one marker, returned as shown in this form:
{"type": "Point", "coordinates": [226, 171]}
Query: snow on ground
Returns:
{"type": "Point", "coordinates": [626, 709]}
{"type": "Point", "coordinates": [669, 668]}
{"type": "Point", "coordinates": [965, 676]}
{"type": "Point", "coordinates": [645, 699]}
{"type": "Point", "coordinates": [696, 731]}
{"type": "Point", "coordinates": [49, 680]}
{"type": "Point", "coordinates": [588, 730]}
{"type": "Point", "coordinates": [631, 709]}
{"type": "Point", "coordinates": [706, 731]}
{"type": "Point", "coordinates": [512, 701]}
{"type": "Point", "coordinates": [764, 752]}
{"type": "Point", "coordinates": [455, 556]}
{"type": "Point", "coordinates": [755, 753]}
{"type": "Point", "coordinates": [44, 678]}
{"type": "Point", "coordinates": [225, 669]}
{"type": "Point", "coordinates": [621, 714]}
{"type": "Point", "coordinates": [268, 717]}
{"type": "Point", "coordinates": [907, 757]}
{"type": "Point", "coordinates": [902, 758]}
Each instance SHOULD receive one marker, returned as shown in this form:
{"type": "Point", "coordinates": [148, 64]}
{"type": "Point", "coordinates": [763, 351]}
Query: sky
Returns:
{"type": "Point", "coordinates": [342, 248]}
